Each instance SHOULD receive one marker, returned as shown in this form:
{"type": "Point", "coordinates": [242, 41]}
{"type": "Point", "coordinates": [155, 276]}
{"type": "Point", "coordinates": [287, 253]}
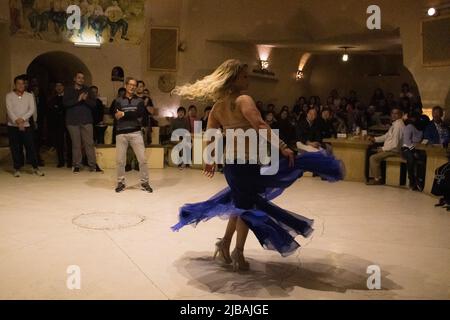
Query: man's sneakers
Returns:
{"type": "Point", "coordinates": [146, 187]}
{"type": "Point", "coordinates": [120, 187]}
{"type": "Point", "coordinates": [76, 170]}
{"type": "Point", "coordinates": [38, 172]}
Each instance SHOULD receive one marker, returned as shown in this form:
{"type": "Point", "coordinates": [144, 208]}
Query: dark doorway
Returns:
{"type": "Point", "coordinates": [51, 67]}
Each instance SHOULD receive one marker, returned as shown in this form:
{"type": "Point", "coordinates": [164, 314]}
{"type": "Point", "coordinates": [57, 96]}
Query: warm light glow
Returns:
{"type": "Point", "coordinates": [303, 60]}
{"type": "Point", "coordinates": [87, 44]}
{"type": "Point", "coordinates": [300, 75]}
{"type": "Point", "coordinates": [264, 52]}
{"type": "Point", "coordinates": [264, 64]}
{"type": "Point", "coordinates": [345, 57]}
{"type": "Point", "coordinates": [431, 12]}
{"type": "Point", "coordinates": [88, 40]}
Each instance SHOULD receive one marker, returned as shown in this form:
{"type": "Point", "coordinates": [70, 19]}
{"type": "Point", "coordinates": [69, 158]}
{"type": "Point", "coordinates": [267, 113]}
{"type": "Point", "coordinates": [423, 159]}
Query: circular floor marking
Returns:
{"type": "Point", "coordinates": [107, 220]}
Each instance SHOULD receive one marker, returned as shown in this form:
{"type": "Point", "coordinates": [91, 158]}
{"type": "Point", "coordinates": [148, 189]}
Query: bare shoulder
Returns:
{"type": "Point", "coordinates": [245, 102]}
{"type": "Point", "coordinates": [244, 99]}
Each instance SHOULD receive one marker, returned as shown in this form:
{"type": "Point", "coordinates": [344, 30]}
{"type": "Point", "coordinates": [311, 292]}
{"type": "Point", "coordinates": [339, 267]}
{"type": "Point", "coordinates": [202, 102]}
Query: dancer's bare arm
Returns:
{"type": "Point", "coordinates": [252, 114]}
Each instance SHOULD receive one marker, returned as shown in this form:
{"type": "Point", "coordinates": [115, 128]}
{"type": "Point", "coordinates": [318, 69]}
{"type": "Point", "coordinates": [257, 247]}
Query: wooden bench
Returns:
{"type": "Point", "coordinates": [395, 175]}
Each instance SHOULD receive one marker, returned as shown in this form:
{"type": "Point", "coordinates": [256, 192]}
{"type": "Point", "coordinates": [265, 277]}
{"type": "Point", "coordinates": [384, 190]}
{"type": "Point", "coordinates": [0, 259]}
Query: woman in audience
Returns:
{"type": "Point", "coordinates": [192, 117]}
{"type": "Point", "coordinates": [406, 92]}
{"type": "Point", "coordinates": [180, 122]}
{"type": "Point", "coordinates": [415, 159]}
{"type": "Point", "coordinates": [247, 200]}
{"type": "Point", "coordinates": [377, 97]}
{"type": "Point", "coordinates": [270, 120]}
{"type": "Point", "coordinates": [287, 130]}
{"type": "Point", "coordinates": [327, 124]}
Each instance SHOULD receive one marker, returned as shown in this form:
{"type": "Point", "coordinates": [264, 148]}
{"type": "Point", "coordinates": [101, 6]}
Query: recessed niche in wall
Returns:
{"type": "Point", "coordinates": [117, 74]}
{"type": "Point", "coordinates": [163, 50]}
{"type": "Point", "coordinates": [436, 41]}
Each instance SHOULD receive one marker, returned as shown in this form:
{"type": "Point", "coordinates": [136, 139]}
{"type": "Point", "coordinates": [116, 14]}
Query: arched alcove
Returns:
{"type": "Point", "coordinates": [55, 66]}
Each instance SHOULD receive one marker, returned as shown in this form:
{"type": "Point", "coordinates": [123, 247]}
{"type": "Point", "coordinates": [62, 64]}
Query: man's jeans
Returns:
{"type": "Point", "coordinates": [136, 141]}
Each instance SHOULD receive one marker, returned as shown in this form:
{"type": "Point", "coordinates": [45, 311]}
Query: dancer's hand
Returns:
{"type": "Point", "coordinates": [209, 170]}
{"type": "Point", "coordinates": [289, 154]}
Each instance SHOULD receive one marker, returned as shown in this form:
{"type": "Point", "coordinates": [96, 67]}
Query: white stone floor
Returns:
{"type": "Point", "coordinates": [356, 226]}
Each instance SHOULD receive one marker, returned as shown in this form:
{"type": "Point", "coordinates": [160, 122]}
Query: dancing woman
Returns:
{"type": "Point", "coordinates": [246, 202]}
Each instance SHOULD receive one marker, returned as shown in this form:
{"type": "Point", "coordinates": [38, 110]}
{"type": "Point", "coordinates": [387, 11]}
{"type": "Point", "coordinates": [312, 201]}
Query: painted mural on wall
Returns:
{"type": "Point", "coordinates": [101, 20]}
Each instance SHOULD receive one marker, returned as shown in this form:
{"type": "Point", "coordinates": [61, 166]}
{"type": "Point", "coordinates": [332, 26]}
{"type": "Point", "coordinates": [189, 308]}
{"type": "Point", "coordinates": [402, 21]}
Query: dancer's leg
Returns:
{"type": "Point", "coordinates": [242, 232]}
{"type": "Point", "coordinates": [228, 236]}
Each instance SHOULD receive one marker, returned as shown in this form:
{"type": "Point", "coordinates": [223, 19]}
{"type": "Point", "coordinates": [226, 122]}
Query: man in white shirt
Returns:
{"type": "Point", "coordinates": [392, 144]}
{"type": "Point", "coordinates": [20, 107]}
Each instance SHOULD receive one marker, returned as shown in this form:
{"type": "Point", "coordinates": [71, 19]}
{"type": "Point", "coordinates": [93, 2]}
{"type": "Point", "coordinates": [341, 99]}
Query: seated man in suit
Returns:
{"type": "Point", "coordinates": [436, 132]}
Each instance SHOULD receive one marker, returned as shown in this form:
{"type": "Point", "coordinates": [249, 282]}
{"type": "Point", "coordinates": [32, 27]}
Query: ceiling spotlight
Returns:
{"type": "Point", "coordinates": [431, 12]}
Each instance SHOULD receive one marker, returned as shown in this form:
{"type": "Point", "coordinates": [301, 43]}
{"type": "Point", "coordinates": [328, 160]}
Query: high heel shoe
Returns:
{"type": "Point", "coordinates": [239, 263]}
{"type": "Point", "coordinates": [220, 251]}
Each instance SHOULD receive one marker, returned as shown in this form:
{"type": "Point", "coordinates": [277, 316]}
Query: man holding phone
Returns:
{"type": "Point", "coordinates": [79, 120]}
{"type": "Point", "coordinates": [128, 110]}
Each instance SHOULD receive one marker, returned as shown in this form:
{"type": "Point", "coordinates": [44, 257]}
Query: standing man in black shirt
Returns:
{"type": "Point", "coordinates": [128, 111]}
{"type": "Point", "coordinates": [57, 126]}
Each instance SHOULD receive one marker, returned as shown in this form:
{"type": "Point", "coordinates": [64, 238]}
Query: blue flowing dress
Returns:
{"type": "Point", "coordinates": [248, 196]}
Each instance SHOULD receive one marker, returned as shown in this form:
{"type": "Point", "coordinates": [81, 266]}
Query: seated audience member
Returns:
{"type": "Point", "coordinates": [405, 105]}
{"type": "Point", "coordinates": [415, 159]}
{"type": "Point", "coordinates": [352, 97]}
{"type": "Point", "coordinates": [270, 119]}
{"type": "Point", "coordinates": [436, 132]}
{"type": "Point", "coordinates": [392, 144]}
{"type": "Point", "coordinates": [192, 117]}
{"type": "Point", "coordinates": [327, 124]}
{"type": "Point", "coordinates": [441, 185]}
{"type": "Point", "coordinates": [180, 122]}
{"type": "Point", "coordinates": [390, 100]}
{"type": "Point", "coordinates": [376, 99]}
{"type": "Point", "coordinates": [295, 115]}
{"type": "Point", "coordinates": [270, 108]}
{"type": "Point", "coordinates": [308, 130]}
{"type": "Point", "coordinates": [287, 130]}
{"type": "Point", "coordinates": [373, 118]}
{"type": "Point", "coordinates": [205, 117]}
{"type": "Point", "coordinates": [283, 108]}
{"type": "Point", "coordinates": [406, 92]}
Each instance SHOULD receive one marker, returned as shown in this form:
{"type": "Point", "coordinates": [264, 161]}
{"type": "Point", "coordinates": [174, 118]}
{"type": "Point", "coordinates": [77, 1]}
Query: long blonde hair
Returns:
{"type": "Point", "coordinates": [214, 86]}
